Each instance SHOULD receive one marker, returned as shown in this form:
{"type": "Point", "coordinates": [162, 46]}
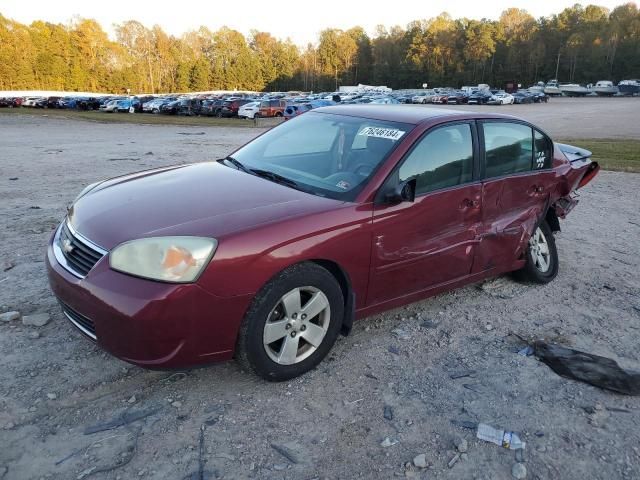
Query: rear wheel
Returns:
{"type": "Point", "coordinates": [541, 257]}
{"type": "Point", "coordinates": [292, 323]}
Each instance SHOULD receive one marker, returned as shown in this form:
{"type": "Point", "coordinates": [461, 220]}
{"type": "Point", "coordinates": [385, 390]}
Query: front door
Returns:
{"type": "Point", "coordinates": [430, 241]}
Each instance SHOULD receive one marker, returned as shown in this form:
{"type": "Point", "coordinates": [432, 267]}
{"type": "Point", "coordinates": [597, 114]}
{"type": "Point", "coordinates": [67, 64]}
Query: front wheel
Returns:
{"type": "Point", "coordinates": [292, 323]}
{"type": "Point", "coordinates": [541, 257]}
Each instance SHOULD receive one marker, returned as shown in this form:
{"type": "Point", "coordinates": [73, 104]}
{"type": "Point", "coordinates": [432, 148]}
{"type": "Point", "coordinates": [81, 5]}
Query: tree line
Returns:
{"type": "Point", "coordinates": [582, 44]}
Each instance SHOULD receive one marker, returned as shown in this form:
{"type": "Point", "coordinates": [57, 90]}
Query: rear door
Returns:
{"type": "Point", "coordinates": [517, 176]}
{"type": "Point", "coordinates": [430, 241]}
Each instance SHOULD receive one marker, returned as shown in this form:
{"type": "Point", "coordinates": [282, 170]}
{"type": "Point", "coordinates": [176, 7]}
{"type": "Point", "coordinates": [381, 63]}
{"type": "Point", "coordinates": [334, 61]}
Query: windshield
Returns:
{"type": "Point", "coordinates": [325, 154]}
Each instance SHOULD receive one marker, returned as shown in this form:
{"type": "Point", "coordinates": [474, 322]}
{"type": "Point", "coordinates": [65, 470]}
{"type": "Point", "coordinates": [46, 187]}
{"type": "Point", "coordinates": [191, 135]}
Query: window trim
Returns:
{"type": "Point", "coordinates": [483, 150]}
{"type": "Point", "coordinates": [475, 162]}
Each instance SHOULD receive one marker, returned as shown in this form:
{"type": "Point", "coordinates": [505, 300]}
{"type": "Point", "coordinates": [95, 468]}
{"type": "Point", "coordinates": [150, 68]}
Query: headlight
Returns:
{"type": "Point", "coordinates": [168, 259]}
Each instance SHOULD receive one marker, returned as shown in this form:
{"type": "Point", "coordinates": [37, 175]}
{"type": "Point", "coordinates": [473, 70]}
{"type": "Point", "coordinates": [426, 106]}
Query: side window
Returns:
{"type": "Point", "coordinates": [543, 151]}
{"type": "Point", "coordinates": [508, 148]}
{"type": "Point", "coordinates": [443, 158]}
{"type": "Point", "coordinates": [264, 105]}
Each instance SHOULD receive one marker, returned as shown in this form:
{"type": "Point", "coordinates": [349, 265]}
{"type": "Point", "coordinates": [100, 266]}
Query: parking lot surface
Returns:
{"type": "Point", "coordinates": [452, 357]}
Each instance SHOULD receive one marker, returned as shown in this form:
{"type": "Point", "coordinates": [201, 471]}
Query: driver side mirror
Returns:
{"type": "Point", "coordinates": [403, 192]}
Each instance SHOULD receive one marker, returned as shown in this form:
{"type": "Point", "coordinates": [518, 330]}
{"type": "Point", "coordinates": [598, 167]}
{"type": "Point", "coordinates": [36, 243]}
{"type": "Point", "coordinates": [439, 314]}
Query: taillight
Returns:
{"type": "Point", "coordinates": [592, 171]}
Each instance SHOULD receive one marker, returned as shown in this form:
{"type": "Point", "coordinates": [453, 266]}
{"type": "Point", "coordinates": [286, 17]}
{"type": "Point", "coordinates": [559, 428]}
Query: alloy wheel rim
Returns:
{"type": "Point", "coordinates": [540, 251]}
{"type": "Point", "coordinates": [297, 325]}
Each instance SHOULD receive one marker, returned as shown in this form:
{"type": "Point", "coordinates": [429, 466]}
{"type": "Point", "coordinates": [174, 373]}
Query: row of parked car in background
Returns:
{"type": "Point", "coordinates": [275, 104]}
{"type": "Point", "coordinates": [481, 95]}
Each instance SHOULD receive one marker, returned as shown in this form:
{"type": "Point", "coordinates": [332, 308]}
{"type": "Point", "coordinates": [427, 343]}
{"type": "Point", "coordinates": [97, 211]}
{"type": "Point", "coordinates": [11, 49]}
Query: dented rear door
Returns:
{"type": "Point", "coordinates": [516, 187]}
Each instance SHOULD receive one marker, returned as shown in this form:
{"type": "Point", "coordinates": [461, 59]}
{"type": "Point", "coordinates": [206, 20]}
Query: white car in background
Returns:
{"type": "Point", "coordinates": [423, 97]}
{"type": "Point", "coordinates": [249, 110]}
{"type": "Point", "coordinates": [501, 98]}
{"type": "Point", "coordinates": [30, 101]}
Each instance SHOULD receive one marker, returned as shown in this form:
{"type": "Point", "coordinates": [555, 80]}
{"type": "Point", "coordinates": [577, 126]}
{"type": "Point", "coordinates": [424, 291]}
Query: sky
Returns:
{"type": "Point", "coordinates": [287, 18]}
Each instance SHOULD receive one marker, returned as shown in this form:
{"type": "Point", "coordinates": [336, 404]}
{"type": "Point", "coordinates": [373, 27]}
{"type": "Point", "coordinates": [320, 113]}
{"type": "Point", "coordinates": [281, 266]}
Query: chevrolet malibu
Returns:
{"type": "Point", "coordinates": [272, 252]}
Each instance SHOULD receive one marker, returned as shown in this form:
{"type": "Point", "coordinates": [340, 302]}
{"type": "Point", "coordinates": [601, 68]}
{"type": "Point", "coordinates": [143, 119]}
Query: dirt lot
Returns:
{"type": "Point", "coordinates": [592, 117]}
{"type": "Point", "coordinates": [329, 423]}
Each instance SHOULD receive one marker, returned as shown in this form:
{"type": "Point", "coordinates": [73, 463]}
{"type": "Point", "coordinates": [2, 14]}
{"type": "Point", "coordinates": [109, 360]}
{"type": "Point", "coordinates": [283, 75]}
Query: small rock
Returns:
{"type": "Point", "coordinates": [428, 324]}
{"type": "Point", "coordinates": [6, 266]}
{"type": "Point", "coordinates": [35, 334]}
{"type": "Point", "coordinates": [420, 461]}
{"type": "Point", "coordinates": [85, 473]}
{"type": "Point", "coordinates": [488, 327]}
{"type": "Point", "coordinates": [37, 320]}
{"type": "Point", "coordinates": [142, 473]}
{"type": "Point", "coordinates": [280, 467]}
{"type": "Point", "coordinates": [9, 316]}
{"type": "Point", "coordinates": [401, 334]}
{"type": "Point", "coordinates": [454, 460]}
{"type": "Point", "coordinates": [464, 456]}
{"type": "Point", "coordinates": [461, 445]}
{"type": "Point", "coordinates": [388, 412]}
{"type": "Point", "coordinates": [541, 448]}
{"type": "Point", "coordinates": [132, 399]}
{"type": "Point", "coordinates": [52, 396]}
{"type": "Point", "coordinates": [519, 471]}
{"type": "Point", "coordinates": [176, 404]}
{"type": "Point", "coordinates": [394, 350]}
{"type": "Point", "coordinates": [387, 442]}
{"type": "Point", "coordinates": [3, 471]}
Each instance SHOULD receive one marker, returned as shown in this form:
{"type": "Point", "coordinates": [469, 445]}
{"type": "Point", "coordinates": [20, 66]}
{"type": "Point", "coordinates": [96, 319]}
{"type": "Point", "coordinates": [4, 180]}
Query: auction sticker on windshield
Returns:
{"type": "Point", "coordinates": [379, 132]}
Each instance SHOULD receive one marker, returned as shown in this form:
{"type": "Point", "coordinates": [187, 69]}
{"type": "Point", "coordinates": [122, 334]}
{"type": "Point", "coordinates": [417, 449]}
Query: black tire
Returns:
{"type": "Point", "coordinates": [531, 273]}
{"type": "Point", "coordinates": [251, 352]}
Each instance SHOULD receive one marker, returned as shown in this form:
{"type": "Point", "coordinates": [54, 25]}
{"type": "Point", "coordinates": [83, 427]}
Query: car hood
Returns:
{"type": "Point", "coordinates": [204, 199]}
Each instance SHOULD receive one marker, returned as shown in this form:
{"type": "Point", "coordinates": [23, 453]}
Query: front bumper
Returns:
{"type": "Point", "coordinates": [147, 323]}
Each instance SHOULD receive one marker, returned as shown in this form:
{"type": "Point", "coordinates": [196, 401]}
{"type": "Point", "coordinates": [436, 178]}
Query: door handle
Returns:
{"type": "Point", "coordinates": [536, 189]}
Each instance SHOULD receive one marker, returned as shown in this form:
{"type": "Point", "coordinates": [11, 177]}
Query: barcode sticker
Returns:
{"type": "Point", "coordinates": [379, 132]}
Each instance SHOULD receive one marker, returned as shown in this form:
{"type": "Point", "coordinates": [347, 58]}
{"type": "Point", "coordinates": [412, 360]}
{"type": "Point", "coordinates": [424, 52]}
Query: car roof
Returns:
{"type": "Point", "coordinates": [413, 114]}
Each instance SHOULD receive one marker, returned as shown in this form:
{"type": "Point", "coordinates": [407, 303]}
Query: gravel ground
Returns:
{"type": "Point", "coordinates": [391, 378]}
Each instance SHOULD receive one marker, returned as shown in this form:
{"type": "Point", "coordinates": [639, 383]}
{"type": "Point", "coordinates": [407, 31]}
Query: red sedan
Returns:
{"type": "Point", "coordinates": [346, 211]}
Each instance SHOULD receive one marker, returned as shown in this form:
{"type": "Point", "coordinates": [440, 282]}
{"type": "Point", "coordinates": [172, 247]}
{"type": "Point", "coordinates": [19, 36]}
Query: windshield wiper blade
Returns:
{"type": "Point", "coordinates": [235, 163]}
{"type": "Point", "coordinates": [276, 177]}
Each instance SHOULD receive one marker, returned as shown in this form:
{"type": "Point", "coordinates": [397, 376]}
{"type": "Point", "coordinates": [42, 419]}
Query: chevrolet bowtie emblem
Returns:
{"type": "Point", "coordinates": [67, 246]}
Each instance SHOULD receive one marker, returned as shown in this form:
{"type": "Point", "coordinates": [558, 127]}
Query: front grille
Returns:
{"type": "Point", "coordinates": [80, 256]}
{"type": "Point", "coordinates": [84, 324]}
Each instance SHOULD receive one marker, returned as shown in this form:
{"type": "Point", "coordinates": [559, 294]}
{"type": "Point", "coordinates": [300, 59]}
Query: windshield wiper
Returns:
{"type": "Point", "coordinates": [276, 177]}
{"type": "Point", "coordinates": [235, 163]}
{"type": "Point", "coordinates": [269, 175]}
